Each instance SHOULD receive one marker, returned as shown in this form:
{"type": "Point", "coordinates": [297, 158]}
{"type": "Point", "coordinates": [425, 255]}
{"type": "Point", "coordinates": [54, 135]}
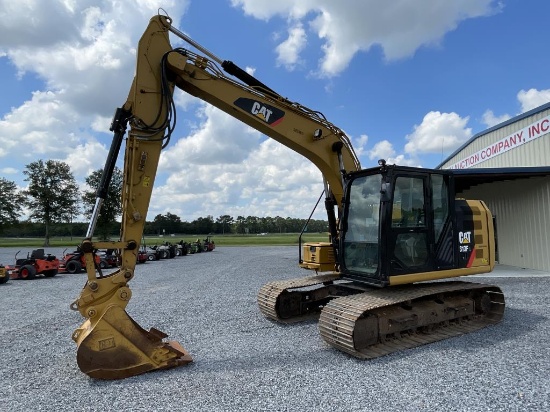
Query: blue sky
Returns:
{"type": "Point", "coordinates": [409, 83]}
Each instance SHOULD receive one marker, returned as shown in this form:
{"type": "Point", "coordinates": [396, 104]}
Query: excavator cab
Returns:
{"type": "Point", "coordinates": [403, 225]}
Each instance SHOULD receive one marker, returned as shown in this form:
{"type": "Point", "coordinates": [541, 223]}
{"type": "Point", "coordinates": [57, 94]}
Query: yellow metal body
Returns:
{"type": "Point", "coordinates": [484, 250]}
{"type": "Point", "coordinates": [318, 256]}
{"type": "Point", "coordinates": [4, 275]}
{"type": "Point", "coordinates": [111, 345]}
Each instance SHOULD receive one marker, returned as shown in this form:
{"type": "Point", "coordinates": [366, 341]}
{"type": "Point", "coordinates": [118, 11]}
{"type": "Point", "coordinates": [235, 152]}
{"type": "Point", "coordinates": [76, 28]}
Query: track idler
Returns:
{"type": "Point", "coordinates": [116, 347]}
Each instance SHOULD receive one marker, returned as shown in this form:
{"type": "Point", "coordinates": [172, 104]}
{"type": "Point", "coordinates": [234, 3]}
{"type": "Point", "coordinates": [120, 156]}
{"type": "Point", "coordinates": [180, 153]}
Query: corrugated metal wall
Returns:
{"type": "Point", "coordinates": [522, 213]}
{"type": "Point", "coordinates": [535, 153]}
{"type": "Point", "coordinates": [521, 207]}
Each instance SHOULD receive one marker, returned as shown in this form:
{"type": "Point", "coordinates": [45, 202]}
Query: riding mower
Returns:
{"type": "Point", "coordinates": [74, 262]}
{"type": "Point", "coordinates": [36, 263]}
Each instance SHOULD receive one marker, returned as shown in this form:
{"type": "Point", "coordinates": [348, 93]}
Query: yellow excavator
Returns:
{"type": "Point", "coordinates": [394, 232]}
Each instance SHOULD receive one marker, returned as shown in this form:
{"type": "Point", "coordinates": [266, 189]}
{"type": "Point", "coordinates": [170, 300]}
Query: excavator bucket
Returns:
{"type": "Point", "coordinates": [116, 347]}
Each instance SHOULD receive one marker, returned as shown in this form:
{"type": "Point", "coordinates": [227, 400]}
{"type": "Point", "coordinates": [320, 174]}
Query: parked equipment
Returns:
{"type": "Point", "coordinates": [208, 244]}
{"type": "Point", "coordinates": [183, 248]}
{"type": "Point", "coordinates": [36, 263]}
{"type": "Point", "coordinates": [163, 251]}
{"type": "Point", "coordinates": [75, 262]}
{"type": "Point", "coordinates": [199, 247]}
{"type": "Point", "coordinates": [392, 228]}
{"type": "Point", "coordinates": [108, 259]}
{"type": "Point", "coordinates": [142, 256]}
{"type": "Point", "coordinates": [152, 254]}
{"type": "Point", "coordinates": [4, 275]}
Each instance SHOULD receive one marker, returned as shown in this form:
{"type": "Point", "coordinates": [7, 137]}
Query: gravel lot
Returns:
{"type": "Point", "coordinates": [243, 362]}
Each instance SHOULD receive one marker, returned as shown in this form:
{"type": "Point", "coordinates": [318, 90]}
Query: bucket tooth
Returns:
{"type": "Point", "coordinates": [116, 347]}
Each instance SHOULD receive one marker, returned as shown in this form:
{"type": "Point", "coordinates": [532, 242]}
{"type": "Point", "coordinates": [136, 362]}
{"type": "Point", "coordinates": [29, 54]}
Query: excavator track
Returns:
{"type": "Point", "coordinates": [378, 322]}
{"type": "Point", "coordinates": [281, 301]}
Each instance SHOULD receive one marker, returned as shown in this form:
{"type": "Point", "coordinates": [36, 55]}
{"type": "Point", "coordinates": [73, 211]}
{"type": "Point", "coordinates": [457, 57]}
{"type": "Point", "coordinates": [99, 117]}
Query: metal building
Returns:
{"type": "Point", "coordinates": [508, 167]}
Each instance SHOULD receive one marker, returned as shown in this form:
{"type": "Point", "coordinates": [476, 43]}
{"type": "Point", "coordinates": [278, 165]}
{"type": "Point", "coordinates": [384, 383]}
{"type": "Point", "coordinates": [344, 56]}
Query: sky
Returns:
{"type": "Point", "coordinates": [409, 81]}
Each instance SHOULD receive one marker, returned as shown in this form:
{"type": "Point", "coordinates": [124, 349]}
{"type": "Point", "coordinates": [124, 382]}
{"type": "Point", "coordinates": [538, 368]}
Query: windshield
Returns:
{"type": "Point", "coordinates": [363, 214]}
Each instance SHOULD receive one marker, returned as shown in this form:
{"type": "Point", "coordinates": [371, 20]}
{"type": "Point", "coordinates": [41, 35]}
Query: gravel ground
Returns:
{"type": "Point", "coordinates": [243, 362]}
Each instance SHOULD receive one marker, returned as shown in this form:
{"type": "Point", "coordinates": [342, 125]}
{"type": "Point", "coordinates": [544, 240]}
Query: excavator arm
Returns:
{"type": "Point", "coordinates": [111, 345]}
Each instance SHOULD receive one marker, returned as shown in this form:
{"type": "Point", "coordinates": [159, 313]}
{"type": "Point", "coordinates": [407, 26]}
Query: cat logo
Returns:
{"type": "Point", "coordinates": [261, 111]}
{"type": "Point", "coordinates": [267, 113]}
{"type": "Point", "coordinates": [464, 237]}
{"type": "Point", "coordinates": [108, 343]}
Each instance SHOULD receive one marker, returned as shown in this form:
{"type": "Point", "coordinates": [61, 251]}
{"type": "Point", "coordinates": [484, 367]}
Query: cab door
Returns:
{"type": "Point", "coordinates": [421, 224]}
{"type": "Point", "coordinates": [410, 234]}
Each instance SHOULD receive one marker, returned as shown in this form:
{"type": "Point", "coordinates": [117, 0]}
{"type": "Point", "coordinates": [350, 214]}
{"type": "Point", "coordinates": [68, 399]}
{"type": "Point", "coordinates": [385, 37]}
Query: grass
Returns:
{"type": "Point", "coordinates": [270, 239]}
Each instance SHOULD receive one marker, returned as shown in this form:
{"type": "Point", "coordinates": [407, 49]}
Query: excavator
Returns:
{"type": "Point", "coordinates": [379, 284]}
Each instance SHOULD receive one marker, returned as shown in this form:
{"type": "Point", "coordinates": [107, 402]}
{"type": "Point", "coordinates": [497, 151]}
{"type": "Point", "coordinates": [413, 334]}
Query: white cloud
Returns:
{"type": "Point", "coordinates": [219, 139]}
{"type": "Point", "coordinates": [438, 133]}
{"type": "Point", "coordinates": [85, 158]}
{"type": "Point", "coordinates": [265, 9]}
{"type": "Point", "coordinates": [9, 171]}
{"type": "Point", "coordinates": [352, 26]}
{"type": "Point", "coordinates": [48, 128]}
{"type": "Point", "coordinates": [491, 120]}
{"type": "Point", "coordinates": [83, 52]}
{"type": "Point", "coordinates": [532, 98]}
{"type": "Point", "coordinates": [382, 150]}
{"type": "Point", "coordinates": [84, 48]}
{"type": "Point", "coordinates": [35, 23]}
{"type": "Point", "coordinates": [184, 100]}
{"type": "Point", "coordinates": [101, 124]}
{"type": "Point", "coordinates": [528, 99]}
{"type": "Point", "coordinates": [359, 144]}
{"type": "Point", "coordinates": [288, 52]}
{"type": "Point", "coordinates": [42, 126]}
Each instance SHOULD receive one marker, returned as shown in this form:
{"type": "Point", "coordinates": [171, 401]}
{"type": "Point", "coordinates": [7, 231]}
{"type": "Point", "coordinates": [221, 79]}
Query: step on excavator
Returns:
{"type": "Point", "coordinates": [394, 232]}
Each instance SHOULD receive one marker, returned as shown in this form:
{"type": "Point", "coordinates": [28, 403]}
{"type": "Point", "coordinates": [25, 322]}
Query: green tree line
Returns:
{"type": "Point", "coordinates": [172, 224]}
{"type": "Point", "coordinates": [53, 200]}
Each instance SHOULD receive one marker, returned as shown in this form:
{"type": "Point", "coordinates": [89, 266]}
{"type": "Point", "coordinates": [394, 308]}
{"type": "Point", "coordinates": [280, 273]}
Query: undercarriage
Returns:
{"type": "Point", "coordinates": [368, 323]}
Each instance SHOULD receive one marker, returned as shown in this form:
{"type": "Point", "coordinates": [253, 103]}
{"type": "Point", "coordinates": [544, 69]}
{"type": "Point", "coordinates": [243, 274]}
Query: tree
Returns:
{"type": "Point", "coordinates": [204, 225]}
{"type": "Point", "coordinates": [252, 223]}
{"type": "Point", "coordinates": [112, 206]}
{"type": "Point", "coordinates": [52, 195]}
{"type": "Point", "coordinates": [10, 203]}
{"type": "Point", "coordinates": [168, 223]}
{"type": "Point", "coordinates": [240, 225]}
{"type": "Point", "coordinates": [280, 223]}
{"type": "Point", "coordinates": [225, 221]}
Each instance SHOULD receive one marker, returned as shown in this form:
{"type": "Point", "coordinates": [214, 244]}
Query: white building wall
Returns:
{"type": "Point", "coordinates": [521, 207]}
{"type": "Point", "coordinates": [533, 153]}
{"type": "Point", "coordinates": [522, 213]}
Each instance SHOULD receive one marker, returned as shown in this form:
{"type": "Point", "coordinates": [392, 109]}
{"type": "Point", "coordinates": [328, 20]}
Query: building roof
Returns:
{"type": "Point", "coordinates": [466, 178]}
{"type": "Point", "coordinates": [492, 129]}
